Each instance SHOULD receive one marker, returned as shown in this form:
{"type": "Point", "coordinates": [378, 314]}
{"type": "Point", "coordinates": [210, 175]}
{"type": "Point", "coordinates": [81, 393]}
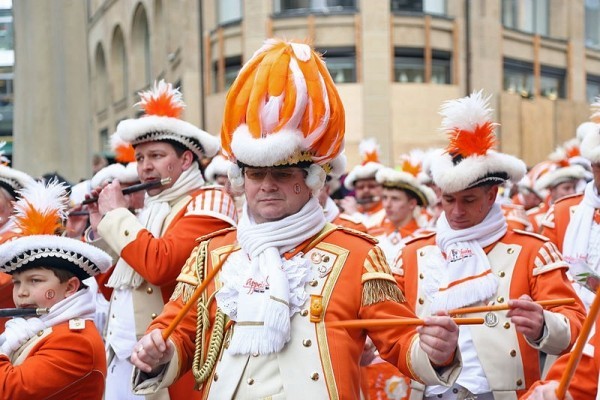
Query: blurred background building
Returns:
{"type": "Point", "coordinates": [79, 65]}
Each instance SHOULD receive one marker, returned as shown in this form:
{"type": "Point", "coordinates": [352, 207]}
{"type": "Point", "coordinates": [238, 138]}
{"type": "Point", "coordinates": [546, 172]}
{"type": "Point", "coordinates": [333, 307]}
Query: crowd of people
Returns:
{"type": "Point", "coordinates": [261, 266]}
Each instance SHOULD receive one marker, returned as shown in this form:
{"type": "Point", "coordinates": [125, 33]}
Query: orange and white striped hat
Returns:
{"type": "Point", "coordinates": [283, 109]}
{"type": "Point", "coordinates": [469, 159]}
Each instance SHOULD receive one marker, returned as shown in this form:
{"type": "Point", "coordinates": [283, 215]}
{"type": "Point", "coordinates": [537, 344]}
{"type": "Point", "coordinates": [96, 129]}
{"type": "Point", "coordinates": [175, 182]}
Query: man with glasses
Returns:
{"type": "Point", "coordinates": [262, 327]}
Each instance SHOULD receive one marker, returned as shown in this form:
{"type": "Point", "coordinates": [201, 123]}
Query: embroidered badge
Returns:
{"type": "Point", "coordinates": [458, 254]}
{"type": "Point", "coordinates": [256, 286]}
{"type": "Point", "coordinates": [76, 324]}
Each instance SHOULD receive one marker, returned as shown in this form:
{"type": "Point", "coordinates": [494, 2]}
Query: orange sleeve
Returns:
{"type": "Point", "coordinates": [159, 260]}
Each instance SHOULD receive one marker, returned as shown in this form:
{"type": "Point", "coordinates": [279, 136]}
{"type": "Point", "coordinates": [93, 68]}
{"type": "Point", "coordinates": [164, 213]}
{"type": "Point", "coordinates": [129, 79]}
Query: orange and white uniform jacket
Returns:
{"type": "Point", "coordinates": [59, 363]}
{"type": "Point", "coordinates": [516, 217]}
{"type": "Point", "coordinates": [536, 216]}
{"type": "Point", "coordinates": [160, 259]}
{"type": "Point", "coordinates": [374, 217]}
{"type": "Point", "coordinates": [584, 384]}
{"type": "Point", "coordinates": [525, 263]}
{"type": "Point", "coordinates": [554, 225]}
{"type": "Point", "coordinates": [319, 362]}
{"type": "Point", "coordinates": [349, 221]}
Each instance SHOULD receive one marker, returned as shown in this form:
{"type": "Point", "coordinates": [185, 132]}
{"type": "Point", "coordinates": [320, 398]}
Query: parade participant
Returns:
{"type": "Point", "coordinates": [58, 355]}
{"type": "Point", "coordinates": [11, 181]}
{"type": "Point", "coordinates": [403, 198]}
{"type": "Point", "coordinates": [332, 212]}
{"type": "Point", "coordinates": [216, 171]}
{"type": "Point", "coordinates": [287, 273]}
{"type": "Point", "coordinates": [154, 245]}
{"type": "Point", "coordinates": [573, 223]}
{"type": "Point", "coordinates": [366, 203]}
{"type": "Point", "coordinates": [473, 259]}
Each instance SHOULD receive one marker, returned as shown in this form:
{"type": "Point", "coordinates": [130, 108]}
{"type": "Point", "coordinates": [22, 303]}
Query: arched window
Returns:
{"type": "Point", "coordinates": [140, 49]}
{"type": "Point", "coordinates": [100, 80]}
{"type": "Point", "coordinates": [118, 64]}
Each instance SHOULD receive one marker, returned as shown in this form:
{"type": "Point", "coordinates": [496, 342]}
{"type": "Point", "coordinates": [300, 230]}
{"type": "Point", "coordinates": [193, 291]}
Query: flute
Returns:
{"type": "Point", "coordinates": [134, 188]}
{"type": "Point", "coordinates": [22, 312]}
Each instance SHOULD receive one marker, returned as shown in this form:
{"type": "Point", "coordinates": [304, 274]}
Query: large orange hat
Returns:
{"type": "Point", "coordinates": [283, 109]}
{"type": "Point", "coordinates": [470, 159]}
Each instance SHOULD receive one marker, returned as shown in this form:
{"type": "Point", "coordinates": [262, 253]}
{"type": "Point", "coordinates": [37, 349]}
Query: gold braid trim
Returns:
{"type": "Point", "coordinates": [378, 290]}
{"type": "Point", "coordinates": [204, 362]}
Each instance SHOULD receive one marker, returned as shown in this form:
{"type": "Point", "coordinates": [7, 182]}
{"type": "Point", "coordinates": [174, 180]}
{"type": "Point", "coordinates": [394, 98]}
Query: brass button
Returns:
{"type": "Point", "coordinates": [519, 382]}
{"type": "Point", "coordinates": [326, 259]}
{"type": "Point", "coordinates": [421, 253]}
{"type": "Point", "coordinates": [254, 354]}
{"type": "Point", "coordinates": [500, 299]}
{"type": "Point", "coordinates": [421, 301]}
{"type": "Point", "coordinates": [421, 276]}
{"type": "Point", "coordinates": [314, 376]}
{"type": "Point", "coordinates": [250, 381]}
{"type": "Point", "coordinates": [501, 274]}
{"type": "Point", "coordinates": [113, 315]}
{"type": "Point", "coordinates": [149, 290]}
{"type": "Point", "coordinates": [506, 325]}
{"type": "Point", "coordinates": [153, 315]}
{"type": "Point", "coordinates": [313, 283]}
{"type": "Point", "coordinates": [40, 333]}
{"type": "Point", "coordinates": [304, 312]}
{"type": "Point", "coordinates": [306, 342]}
{"type": "Point", "coordinates": [510, 250]}
{"type": "Point", "coordinates": [513, 353]}
{"type": "Point", "coordinates": [216, 377]}
{"type": "Point", "coordinates": [126, 232]}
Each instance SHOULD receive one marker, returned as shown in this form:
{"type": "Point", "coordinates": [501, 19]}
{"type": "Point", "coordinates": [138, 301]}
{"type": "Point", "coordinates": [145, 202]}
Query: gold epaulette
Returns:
{"type": "Point", "coordinates": [535, 235]}
{"type": "Point", "coordinates": [420, 236]}
{"type": "Point", "coordinates": [211, 235]}
{"type": "Point", "coordinates": [360, 234]}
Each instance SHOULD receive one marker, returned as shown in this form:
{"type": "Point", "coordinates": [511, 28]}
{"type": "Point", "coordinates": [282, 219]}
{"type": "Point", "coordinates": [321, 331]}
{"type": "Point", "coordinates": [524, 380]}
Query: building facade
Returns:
{"type": "Point", "coordinates": [395, 62]}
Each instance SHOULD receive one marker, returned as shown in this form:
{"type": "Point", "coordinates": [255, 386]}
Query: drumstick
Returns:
{"type": "Point", "coordinates": [380, 323]}
{"type": "Point", "coordinates": [500, 307]}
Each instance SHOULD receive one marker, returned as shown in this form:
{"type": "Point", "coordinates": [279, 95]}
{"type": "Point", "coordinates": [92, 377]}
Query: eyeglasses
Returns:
{"type": "Point", "coordinates": [280, 175]}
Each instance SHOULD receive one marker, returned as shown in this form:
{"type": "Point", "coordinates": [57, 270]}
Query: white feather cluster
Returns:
{"type": "Point", "coordinates": [368, 145]}
{"type": "Point", "coordinates": [236, 179]}
{"type": "Point", "coordinates": [466, 113]}
{"type": "Point", "coordinates": [162, 88]}
{"type": "Point", "coordinates": [45, 198]}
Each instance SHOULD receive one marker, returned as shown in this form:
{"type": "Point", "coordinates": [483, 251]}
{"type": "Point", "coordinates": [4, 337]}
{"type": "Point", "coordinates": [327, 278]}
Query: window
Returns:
{"type": "Point", "coordinates": [6, 89]}
{"type": "Point", "coordinates": [592, 88]}
{"type": "Point", "coordinates": [420, 6]}
{"type": "Point", "coordinates": [325, 6]}
{"type": "Point", "coordinates": [6, 30]}
{"type": "Point", "coordinates": [232, 68]}
{"type": "Point", "coordinates": [519, 78]}
{"type": "Point", "coordinates": [592, 28]}
{"type": "Point", "coordinates": [229, 11]}
{"type": "Point", "coordinates": [409, 66]}
{"type": "Point", "coordinates": [341, 63]}
{"type": "Point", "coordinates": [529, 16]}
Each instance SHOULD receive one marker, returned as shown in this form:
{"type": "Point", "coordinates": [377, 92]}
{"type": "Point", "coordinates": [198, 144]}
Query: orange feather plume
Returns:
{"type": "Point", "coordinates": [162, 101]}
{"type": "Point", "coordinates": [410, 167]}
{"type": "Point", "coordinates": [125, 153]}
{"type": "Point", "coordinates": [478, 142]}
{"type": "Point", "coordinates": [36, 222]}
{"type": "Point", "coordinates": [41, 208]}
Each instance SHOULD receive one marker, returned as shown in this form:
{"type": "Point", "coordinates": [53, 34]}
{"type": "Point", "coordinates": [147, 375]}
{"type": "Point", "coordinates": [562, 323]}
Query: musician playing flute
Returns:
{"type": "Point", "coordinates": [154, 245]}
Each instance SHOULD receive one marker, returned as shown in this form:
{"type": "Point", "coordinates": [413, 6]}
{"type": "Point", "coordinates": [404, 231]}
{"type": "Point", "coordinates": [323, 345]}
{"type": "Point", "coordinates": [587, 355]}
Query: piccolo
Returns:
{"type": "Point", "coordinates": [368, 200]}
{"type": "Point", "coordinates": [134, 188]}
{"type": "Point", "coordinates": [22, 312]}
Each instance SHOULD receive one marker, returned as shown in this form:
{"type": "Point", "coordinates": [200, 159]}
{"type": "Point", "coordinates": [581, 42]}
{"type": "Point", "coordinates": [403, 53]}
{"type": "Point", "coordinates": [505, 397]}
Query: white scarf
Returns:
{"type": "Point", "coordinates": [464, 276]}
{"type": "Point", "coordinates": [262, 294]}
{"type": "Point", "coordinates": [577, 235]}
{"type": "Point", "coordinates": [19, 330]}
{"type": "Point", "coordinates": [153, 215]}
{"type": "Point", "coordinates": [330, 209]}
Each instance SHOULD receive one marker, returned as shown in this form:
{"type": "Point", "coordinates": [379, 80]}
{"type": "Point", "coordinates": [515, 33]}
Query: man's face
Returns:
{"type": "Point", "coordinates": [367, 192]}
{"type": "Point", "coordinates": [275, 193]}
{"type": "Point", "coordinates": [468, 207]}
{"type": "Point", "coordinates": [563, 189]}
{"type": "Point", "coordinates": [398, 206]}
{"type": "Point", "coordinates": [40, 288]}
{"type": "Point", "coordinates": [158, 160]}
{"type": "Point", "coordinates": [596, 172]}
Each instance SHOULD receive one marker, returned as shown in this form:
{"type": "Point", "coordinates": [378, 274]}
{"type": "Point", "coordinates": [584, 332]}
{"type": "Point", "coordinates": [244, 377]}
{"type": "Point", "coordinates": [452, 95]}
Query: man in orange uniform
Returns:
{"type": "Point", "coordinates": [60, 354]}
{"type": "Point", "coordinates": [474, 259]}
{"type": "Point", "coordinates": [154, 245]}
{"type": "Point", "coordinates": [573, 223]}
{"type": "Point", "coordinates": [11, 182]}
{"type": "Point", "coordinates": [287, 273]}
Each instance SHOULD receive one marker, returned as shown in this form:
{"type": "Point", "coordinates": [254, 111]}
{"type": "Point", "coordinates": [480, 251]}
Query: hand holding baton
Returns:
{"type": "Point", "coordinates": [134, 188]}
